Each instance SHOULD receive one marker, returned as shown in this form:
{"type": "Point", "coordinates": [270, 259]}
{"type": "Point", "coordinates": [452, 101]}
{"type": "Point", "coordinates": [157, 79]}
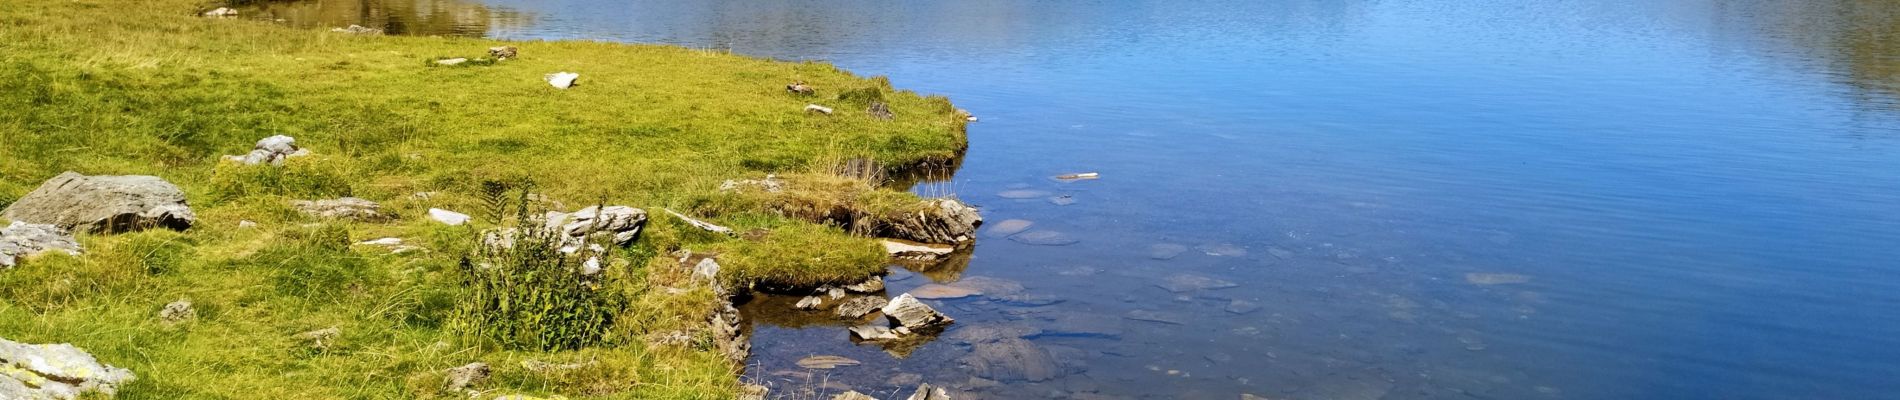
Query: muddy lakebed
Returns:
{"type": "Point", "coordinates": [1351, 199]}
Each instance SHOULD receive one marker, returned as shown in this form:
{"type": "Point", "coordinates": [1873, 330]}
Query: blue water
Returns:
{"type": "Point", "coordinates": [1700, 197]}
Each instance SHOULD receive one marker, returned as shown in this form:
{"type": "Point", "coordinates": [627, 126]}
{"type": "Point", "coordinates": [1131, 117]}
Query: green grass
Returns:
{"type": "Point", "coordinates": [144, 87]}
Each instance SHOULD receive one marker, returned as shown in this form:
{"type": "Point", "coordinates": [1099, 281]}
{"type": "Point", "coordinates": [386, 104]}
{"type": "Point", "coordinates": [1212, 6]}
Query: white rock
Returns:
{"type": "Point", "coordinates": [818, 109]}
{"type": "Point", "coordinates": [906, 311]}
{"type": "Point", "coordinates": [221, 12]}
{"type": "Point", "coordinates": [909, 250]}
{"type": "Point", "coordinates": [448, 217]}
{"type": "Point", "coordinates": [388, 241]}
{"type": "Point", "coordinates": [707, 269]}
{"type": "Point", "coordinates": [562, 80]}
{"type": "Point", "coordinates": [451, 61]}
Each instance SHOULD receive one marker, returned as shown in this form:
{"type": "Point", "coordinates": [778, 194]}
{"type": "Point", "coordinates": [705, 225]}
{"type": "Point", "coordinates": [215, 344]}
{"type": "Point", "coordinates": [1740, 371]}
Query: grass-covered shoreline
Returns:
{"type": "Point", "coordinates": [149, 88]}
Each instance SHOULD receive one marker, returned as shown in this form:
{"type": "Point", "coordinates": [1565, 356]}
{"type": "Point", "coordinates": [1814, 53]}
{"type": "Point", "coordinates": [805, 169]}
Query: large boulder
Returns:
{"type": "Point", "coordinates": [104, 204]}
{"type": "Point", "coordinates": [21, 239]}
{"type": "Point", "coordinates": [55, 371]}
{"type": "Point", "coordinates": [940, 221]}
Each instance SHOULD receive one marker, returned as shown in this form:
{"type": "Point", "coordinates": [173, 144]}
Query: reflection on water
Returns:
{"type": "Point", "coordinates": [396, 17]}
{"type": "Point", "coordinates": [1364, 199]}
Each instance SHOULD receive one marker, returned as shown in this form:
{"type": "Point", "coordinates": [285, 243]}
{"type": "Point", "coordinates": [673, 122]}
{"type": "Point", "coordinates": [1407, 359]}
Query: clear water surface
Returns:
{"type": "Point", "coordinates": [1425, 199]}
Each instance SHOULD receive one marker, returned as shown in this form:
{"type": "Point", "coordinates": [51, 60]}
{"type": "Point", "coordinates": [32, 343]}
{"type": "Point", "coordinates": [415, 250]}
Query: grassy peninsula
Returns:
{"type": "Point", "coordinates": [106, 87]}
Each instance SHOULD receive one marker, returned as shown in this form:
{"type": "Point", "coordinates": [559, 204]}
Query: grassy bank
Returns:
{"type": "Point", "coordinates": [146, 87]}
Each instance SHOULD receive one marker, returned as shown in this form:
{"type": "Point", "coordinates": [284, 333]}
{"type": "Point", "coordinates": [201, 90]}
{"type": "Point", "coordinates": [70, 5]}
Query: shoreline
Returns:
{"type": "Point", "coordinates": [153, 89]}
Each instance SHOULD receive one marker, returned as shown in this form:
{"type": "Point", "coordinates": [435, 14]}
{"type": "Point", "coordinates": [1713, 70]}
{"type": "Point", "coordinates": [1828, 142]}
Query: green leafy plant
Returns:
{"type": "Point", "coordinates": [523, 290]}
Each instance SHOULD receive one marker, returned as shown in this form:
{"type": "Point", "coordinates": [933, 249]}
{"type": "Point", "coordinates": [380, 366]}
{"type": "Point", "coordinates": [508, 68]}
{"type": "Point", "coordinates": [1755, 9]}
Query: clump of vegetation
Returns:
{"type": "Point", "coordinates": [524, 291]}
{"type": "Point", "coordinates": [801, 256]}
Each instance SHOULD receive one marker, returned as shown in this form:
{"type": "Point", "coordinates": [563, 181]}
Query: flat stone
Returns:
{"type": "Point", "coordinates": [1008, 227]}
{"type": "Point", "coordinates": [852, 395]}
{"type": "Point", "coordinates": [20, 240]}
{"type": "Point", "coordinates": [1022, 194]}
{"type": "Point", "coordinates": [103, 204]}
{"type": "Point", "coordinates": [448, 217]}
{"type": "Point", "coordinates": [908, 250]}
{"type": "Point", "coordinates": [347, 208]}
{"type": "Point", "coordinates": [939, 292]}
{"type": "Point", "coordinates": [55, 371]}
{"type": "Point", "coordinates": [990, 332]}
{"type": "Point", "coordinates": [1241, 306]}
{"type": "Point", "coordinates": [860, 306]}
{"type": "Point", "coordinates": [826, 362]}
{"type": "Point", "coordinates": [451, 61]}
{"type": "Point", "coordinates": [905, 379]}
{"type": "Point", "coordinates": [1044, 238]}
{"type": "Point", "coordinates": [1476, 278]}
{"type": "Point", "coordinates": [1190, 282]}
{"type": "Point", "coordinates": [1062, 200]}
{"type": "Point", "coordinates": [989, 286]}
{"type": "Point", "coordinates": [1082, 324]}
{"type": "Point", "coordinates": [1223, 250]}
{"type": "Point", "coordinates": [1166, 251]}
{"type": "Point", "coordinates": [1153, 316]}
{"type": "Point", "coordinates": [1010, 360]}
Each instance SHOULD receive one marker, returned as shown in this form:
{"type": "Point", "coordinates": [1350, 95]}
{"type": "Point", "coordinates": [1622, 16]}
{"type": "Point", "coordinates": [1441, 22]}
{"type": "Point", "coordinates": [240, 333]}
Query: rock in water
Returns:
{"type": "Point", "coordinates": [873, 285]}
{"type": "Point", "coordinates": [908, 250]}
{"type": "Point", "coordinates": [852, 395]}
{"type": "Point", "coordinates": [448, 217]}
{"type": "Point", "coordinates": [104, 204]}
{"type": "Point", "coordinates": [21, 239]}
{"type": "Point", "coordinates": [1008, 227]}
{"type": "Point", "coordinates": [826, 362]}
{"type": "Point", "coordinates": [1044, 238]}
{"type": "Point", "coordinates": [1238, 306]}
{"type": "Point", "coordinates": [1166, 251]}
{"type": "Point", "coordinates": [502, 52]}
{"type": "Point", "coordinates": [941, 221]}
{"type": "Point", "coordinates": [349, 208]}
{"type": "Point", "coordinates": [905, 311]}
{"type": "Point", "coordinates": [1189, 282]}
{"type": "Point", "coordinates": [1011, 359]}
{"type": "Point", "coordinates": [55, 371]}
{"type": "Point", "coordinates": [563, 80]}
{"type": "Point", "coordinates": [873, 333]}
{"type": "Point", "coordinates": [927, 392]}
{"type": "Point", "coordinates": [860, 306]}
{"type": "Point", "coordinates": [939, 292]}
{"type": "Point", "coordinates": [466, 377]}
{"type": "Point", "coordinates": [1495, 278]}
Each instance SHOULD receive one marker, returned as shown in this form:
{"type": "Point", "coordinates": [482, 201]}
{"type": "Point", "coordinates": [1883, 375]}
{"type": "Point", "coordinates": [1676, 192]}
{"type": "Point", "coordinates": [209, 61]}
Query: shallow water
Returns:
{"type": "Point", "coordinates": [1424, 199]}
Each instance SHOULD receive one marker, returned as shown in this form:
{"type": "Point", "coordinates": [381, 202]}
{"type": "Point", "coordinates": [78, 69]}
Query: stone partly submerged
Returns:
{"type": "Point", "coordinates": [908, 250]}
{"type": "Point", "coordinates": [928, 392]}
{"type": "Point", "coordinates": [858, 307]}
{"type": "Point", "coordinates": [826, 362]}
{"type": "Point", "coordinates": [1011, 359]}
{"type": "Point", "coordinates": [852, 395]}
{"type": "Point", "coordinates": [104, 204]}
{"type": "Point", "coordinates": [55, 372]}
{"type": "Point", "coordinates": [945, 221]}
{"type": "Point", "coordinates": [906, 311]}
{"type": "Point", "coordinates": [20, 240]}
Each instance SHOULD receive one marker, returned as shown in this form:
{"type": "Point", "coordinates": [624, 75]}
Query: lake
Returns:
{"type": "Point", "coordinates": [1356, 199]}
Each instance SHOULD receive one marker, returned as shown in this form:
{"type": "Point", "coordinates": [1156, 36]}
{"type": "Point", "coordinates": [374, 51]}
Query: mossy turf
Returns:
{"type": "Point", "coordinates": [148, 88]}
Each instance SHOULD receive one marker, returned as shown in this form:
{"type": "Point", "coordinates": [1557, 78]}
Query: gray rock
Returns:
{"type": "Point", "coordinates": [1044, 238]}
{"type": "Point", "coordinates": [826, 362]}
{"type": "Point", "coordinates": [771, 184]}
{"type": "Point", "coordinates": [1190, 282]}
{"type": "Point", "coordinates": [55, 371]}
{"type": "Point", "coordinates": [754, 392]}
{"type": "Point", "coordinates": [1011, 360]}
{"type": "Point", "coordinates": [448, 217]}
{"type": "Point", "coordinates": [905, 311]}
{"type": "Point", "coordinates": [940, 221]}
{"type": "Point", "coordinates": [271, 150]}
{"type": "Point", "coordinates": [908, 250]}
{"type": "Point", "coordinates": [858, 307]}
{"type": "Point", "coordinates": [354, 29]}
{"type": "Point", "coordinates": [905, 379]}
{"type": "Point", "coordinates": [852, 395]}
{"type": "Point", "coordinates": [177, 312]}
{"type": "Point", "coordinates": [880, 111]}
{"type": "Point", "coordinates": [466, 377]}
{"type": "Point", "coordinates": [347, 208]}
{"type": "Point", "coordinates": [874, 333]}
{"type": "Point", "coordinates": [702, 225]}
{"type": "Point", "coordinates": [873, 285]}
{"type": "Point", "coordinates": [992, 332]}
{"type": "Point", "coordinates": [320, 339]}
{"type": "Point", "coordinates": [810, 303]}
{"type": "Point", "coordinates": [800, 88]}
{"type": "Point", "coordinates": [622, 222]}
{"type": "Point", "coordinates": [19, 240]}
{"type": "Point", "coordinates": [503, 52]}
{"type": "Point", "coordinates": [927, 392]}
{"type": "Point", "coordinates": [104, 204]}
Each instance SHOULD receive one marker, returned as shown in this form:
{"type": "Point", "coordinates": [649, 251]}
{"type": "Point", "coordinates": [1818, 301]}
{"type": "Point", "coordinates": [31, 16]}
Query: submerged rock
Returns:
{"type": "Point", "coordinates": [55, 371]}
{"type": "Point", "coordinates": [1223, 250]}
{"type": "Point", "coordinates": [852, 395]}
{"type": "Point", "coordinates": [1018, 194]}
{"type": "Point", "coordinates": [1008, 227]}
{"type": "Point", "coordinates": [873, 285]}
{"type": "Point", "coordinates": [19, 240]}
{"type": "Point", "coordinates": [1190, 282]}
{"type": "Point", "coordinates": [991, 332]}
{"type": "Point", "coordinates": [826, 362]}
{"type": "Point", "coordinates": [927, 392]}
{"type": "Point", "coordinates": [1044, 238]}
{"type": "Point", "coordinates": [1166, 251]}
{"type": "Point", "coordinates": [104, 204]}
{"type": "Point", "coordinates": [1011, 359]}
{"type": "Point", "coordinates": [874, 333]}
{"type": "Point", "coordinates": [1154, 316]}
{"type": "Point", "coordinates": [348, 208]}
{"type": "Point", "coordinates": [1476, 278]}
{"type": "Point", "coordinates": [939, 292]}
{"type": "Point", "coordinates": [1241, 306]}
